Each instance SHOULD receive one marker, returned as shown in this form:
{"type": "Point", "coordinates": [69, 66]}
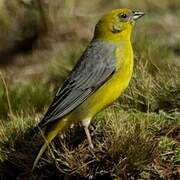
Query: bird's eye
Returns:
{"type": "Point", "coordinates": [124, 16]}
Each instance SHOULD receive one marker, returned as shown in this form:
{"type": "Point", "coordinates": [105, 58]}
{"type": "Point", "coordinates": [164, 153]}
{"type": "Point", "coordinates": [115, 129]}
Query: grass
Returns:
{"type": "Point", "coordinates": [126, 145]}
{"type": "Point", "coordinates": [136, 138]}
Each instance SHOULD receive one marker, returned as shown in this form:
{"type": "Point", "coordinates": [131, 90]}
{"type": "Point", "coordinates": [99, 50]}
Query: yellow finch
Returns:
{"type": "Point", "coordinates": [101, 75]}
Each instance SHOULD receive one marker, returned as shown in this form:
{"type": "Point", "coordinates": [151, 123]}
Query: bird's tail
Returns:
{"type": "Point", "coordinates": [50, 134]}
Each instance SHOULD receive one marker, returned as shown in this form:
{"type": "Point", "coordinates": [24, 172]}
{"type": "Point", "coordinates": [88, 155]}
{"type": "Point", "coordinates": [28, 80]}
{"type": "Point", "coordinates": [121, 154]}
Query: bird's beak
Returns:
{"type": "Point", "coordinates": [137, 15]}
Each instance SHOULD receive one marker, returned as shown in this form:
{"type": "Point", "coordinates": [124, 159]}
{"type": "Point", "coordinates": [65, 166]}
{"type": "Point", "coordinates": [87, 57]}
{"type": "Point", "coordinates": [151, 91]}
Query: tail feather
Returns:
{"type": "Point", "coordinates": [51, 133]}
{"type": "Point", "coordinates": [43, 148]}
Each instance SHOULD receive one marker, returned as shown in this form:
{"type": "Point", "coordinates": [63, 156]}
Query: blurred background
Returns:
{"type": "Point", "coordinates": [41, 40]}
{"type": "Point", "coordinates": [38, 34]}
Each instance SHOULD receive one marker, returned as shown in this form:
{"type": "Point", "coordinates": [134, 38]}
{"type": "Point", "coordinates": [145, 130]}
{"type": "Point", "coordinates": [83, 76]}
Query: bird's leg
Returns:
{"type": "Point", "coordinates": [86, 123]}
{"type": "Point", "coordinates": [89, 137]}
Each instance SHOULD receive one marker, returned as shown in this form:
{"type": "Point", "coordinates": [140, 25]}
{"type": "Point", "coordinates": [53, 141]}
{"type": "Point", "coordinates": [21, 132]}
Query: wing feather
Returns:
{"type": "Point", "coordinates": [94, 68]}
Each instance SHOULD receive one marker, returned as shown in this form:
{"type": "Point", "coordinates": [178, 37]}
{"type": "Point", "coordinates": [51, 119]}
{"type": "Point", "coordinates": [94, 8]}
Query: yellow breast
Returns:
{"type": "Point", "coordinates": [114, 87]}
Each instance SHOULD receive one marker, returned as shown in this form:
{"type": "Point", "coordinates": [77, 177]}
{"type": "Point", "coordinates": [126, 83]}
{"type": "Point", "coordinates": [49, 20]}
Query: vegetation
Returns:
{"type": "Point", "coordinates": [136, 138]}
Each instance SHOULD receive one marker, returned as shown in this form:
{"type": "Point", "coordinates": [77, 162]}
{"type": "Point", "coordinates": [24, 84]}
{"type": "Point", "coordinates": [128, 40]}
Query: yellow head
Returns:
{"type": "Point", "coordinates": [117, 25]}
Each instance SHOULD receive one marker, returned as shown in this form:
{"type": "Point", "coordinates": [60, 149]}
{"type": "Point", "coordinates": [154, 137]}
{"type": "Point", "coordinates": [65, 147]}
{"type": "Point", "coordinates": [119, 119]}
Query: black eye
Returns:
{"type": "Point", "coordinates": [124, 16]}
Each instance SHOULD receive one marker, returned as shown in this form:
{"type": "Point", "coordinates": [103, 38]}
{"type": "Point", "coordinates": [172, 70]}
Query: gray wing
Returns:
{"type": "Point", "coordinates": [95, 67]}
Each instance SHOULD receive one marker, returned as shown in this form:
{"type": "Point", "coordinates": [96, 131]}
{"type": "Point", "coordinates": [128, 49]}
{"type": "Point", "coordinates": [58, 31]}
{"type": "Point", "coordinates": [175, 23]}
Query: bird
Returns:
{"type": "Point", "coordinates": [99, 77]}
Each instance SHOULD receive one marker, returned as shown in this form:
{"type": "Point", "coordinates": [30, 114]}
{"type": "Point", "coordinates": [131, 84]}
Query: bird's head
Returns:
{"type": "Point", "coordinates": [116, 25]}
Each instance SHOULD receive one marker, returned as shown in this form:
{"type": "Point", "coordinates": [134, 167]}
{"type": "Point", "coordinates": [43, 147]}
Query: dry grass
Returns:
{"type": "Point", "coordinates": [126, 146]}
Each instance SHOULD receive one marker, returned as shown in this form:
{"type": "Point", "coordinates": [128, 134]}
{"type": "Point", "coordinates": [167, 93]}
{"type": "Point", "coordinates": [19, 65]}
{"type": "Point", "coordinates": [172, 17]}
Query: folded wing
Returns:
{"type": "Point", "coordinates": [94, 68]}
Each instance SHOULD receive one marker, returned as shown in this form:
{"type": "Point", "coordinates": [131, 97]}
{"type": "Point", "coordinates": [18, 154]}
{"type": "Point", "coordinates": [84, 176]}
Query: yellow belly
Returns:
{"type": "Point", "coordinates": [107, 93]}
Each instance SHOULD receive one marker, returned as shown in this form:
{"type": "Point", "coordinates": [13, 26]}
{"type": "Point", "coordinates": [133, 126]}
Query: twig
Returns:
{"type": "Point", "coordinates": [7, 95]}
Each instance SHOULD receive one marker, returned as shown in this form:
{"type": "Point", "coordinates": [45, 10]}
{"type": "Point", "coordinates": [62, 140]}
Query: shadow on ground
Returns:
{"type": "Point", "coordinates": [20, 159]}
